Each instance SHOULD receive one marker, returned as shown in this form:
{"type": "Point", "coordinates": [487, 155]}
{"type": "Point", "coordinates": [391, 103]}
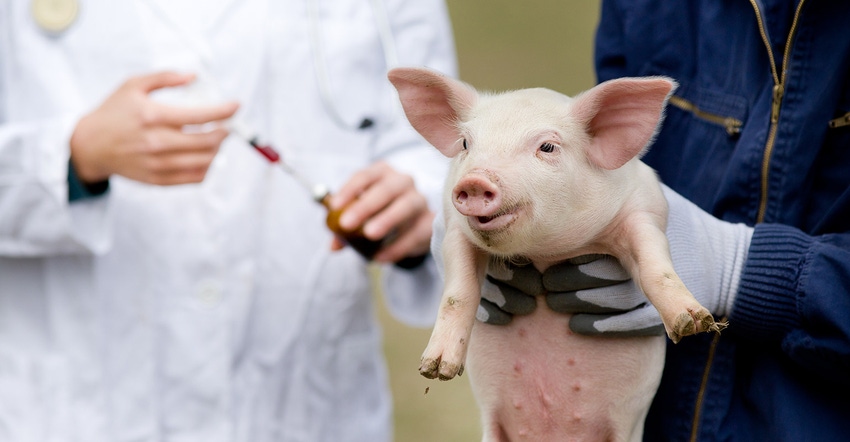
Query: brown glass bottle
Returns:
{"type": "Point", "coordinates": [354, 238]}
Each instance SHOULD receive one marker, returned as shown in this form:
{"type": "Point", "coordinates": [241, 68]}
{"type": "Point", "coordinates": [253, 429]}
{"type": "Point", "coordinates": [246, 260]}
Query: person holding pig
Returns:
{"type": "Point", "coordinates": [757, 134]}
{"type": "Point", "coordinates": [159, 280]}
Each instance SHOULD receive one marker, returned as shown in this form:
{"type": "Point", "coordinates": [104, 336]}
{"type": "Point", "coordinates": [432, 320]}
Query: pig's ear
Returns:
{"type": "Point", "coordinates": [622, 117]}
{"type": "Point", "coordinates": [434, 104]}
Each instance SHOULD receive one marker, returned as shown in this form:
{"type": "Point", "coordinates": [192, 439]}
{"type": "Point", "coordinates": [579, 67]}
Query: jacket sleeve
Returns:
{"type": "Point", "coordinates": [36, 216]}
{"type": "Point", "coordinates": [795, 293]}
{"type": "Point", "coordinates": [423, 37]}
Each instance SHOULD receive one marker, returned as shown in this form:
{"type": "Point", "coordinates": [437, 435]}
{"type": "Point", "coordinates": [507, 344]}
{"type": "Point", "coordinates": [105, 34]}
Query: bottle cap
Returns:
{"type": "Point", "coordinates": [320, 191]}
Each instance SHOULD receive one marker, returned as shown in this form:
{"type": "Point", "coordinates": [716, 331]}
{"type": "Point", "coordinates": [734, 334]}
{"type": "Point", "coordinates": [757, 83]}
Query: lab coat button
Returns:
{"type": "Point", "coordinates": [54, 16]}
{"type": "Point", "coordinates": [209, 293]}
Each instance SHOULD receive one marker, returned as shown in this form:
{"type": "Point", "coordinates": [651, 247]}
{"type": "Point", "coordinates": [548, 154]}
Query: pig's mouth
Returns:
{"type": "Point", "coordinates": [493, 222]}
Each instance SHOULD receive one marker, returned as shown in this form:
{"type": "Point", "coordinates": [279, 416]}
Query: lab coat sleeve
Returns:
{"type": "Point", "coordinates": [36, 217]}
{"type": "Point", "coordinates": [423, 37]}
{"type": "Point", "coordinates": [428, 280]}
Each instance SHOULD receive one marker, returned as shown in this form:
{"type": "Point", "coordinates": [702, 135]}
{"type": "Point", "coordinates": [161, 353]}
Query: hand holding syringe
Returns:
{"type": "Point", "coordinates": [321, 194]}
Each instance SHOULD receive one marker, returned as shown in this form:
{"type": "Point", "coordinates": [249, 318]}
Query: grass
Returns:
{"type": "Point", "coordinates": [502, 44]}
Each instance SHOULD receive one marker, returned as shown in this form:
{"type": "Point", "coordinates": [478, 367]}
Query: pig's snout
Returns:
{"type": "Point", "coordinates": [477, 195]}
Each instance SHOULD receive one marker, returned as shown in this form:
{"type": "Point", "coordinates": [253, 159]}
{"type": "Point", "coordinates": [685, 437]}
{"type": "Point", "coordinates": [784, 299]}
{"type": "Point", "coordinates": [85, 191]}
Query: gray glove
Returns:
{"type": "Point", "coordinates": [591, 287]}
{"type": "Point", "coordinates": [708, 254]}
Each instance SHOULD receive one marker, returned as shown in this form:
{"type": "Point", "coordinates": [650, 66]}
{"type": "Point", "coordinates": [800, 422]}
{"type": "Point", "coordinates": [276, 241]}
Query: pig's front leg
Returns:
{"type": "Point", "coordinates": [465, 265]}
{"type": "Point", "coordinates": [651, 266]}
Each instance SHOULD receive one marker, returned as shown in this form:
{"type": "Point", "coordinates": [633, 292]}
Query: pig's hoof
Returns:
{"type": "Point", "coordinates": [692, 322]}
{"type": "Point", "coordinates": [439, 369]}
{"type": "Point", "coordinates": [705, 322]}
{"type": "Point", "coordinates": [429, 368]}
{"type": "Point", "coordinates": [717, 326]}
{"type": "Point", "coordinates": [449, 371]}
{"type": "Point", "coordinates": [683, 326]}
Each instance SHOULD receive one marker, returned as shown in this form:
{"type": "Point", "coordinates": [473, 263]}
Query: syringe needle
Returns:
{"type": "Point", "coordinates": [356, 239]}
{"type": "Point", "coordinates": [317, 191]}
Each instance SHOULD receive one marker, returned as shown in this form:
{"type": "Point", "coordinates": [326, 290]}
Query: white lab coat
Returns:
{"type": "Point", "coordinates": [209, 312]}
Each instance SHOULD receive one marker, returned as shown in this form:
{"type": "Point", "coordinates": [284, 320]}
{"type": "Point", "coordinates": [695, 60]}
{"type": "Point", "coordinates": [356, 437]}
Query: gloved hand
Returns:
{"type": "Point", "coordinates": [592, 287]}
{"type": "Point", "coordinates": [708, 254]}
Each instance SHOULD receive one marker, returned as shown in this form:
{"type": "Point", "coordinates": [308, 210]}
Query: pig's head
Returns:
{"type": "Point", "coordinates": [534, 172]}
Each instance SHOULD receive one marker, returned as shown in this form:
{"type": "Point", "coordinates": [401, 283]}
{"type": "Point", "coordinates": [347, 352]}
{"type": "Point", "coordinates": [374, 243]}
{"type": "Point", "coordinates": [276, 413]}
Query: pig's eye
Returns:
{"type": "Point", "coordinates": [464, 144]}
{"type": "Point", "coordinates": [547, 147]}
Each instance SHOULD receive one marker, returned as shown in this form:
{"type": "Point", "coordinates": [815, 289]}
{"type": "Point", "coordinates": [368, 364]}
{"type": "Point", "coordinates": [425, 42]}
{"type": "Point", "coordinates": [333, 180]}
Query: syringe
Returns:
{"type": "Point", "coordinates": [318, 192]}
{"type": "Point", "coordinates": [321, 194]}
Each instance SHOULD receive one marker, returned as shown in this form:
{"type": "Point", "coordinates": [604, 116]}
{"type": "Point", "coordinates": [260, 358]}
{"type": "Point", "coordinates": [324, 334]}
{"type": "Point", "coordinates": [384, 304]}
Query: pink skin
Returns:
{"type": "Point", "coordinates": [580, 388]}
{"type": "Point", "coordinates": [546, 177]}
{"type": "Point", "coordinates": [480, 200]}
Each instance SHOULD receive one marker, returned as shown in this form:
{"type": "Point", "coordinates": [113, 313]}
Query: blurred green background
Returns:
{"type": "Point", "coordinates": [501, 44]}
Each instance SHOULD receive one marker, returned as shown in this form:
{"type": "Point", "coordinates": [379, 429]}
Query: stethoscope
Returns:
{"type": "Point", "coordinates": [56, 16]}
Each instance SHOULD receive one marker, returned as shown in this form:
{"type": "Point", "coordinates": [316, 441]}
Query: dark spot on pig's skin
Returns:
{"type": "Point", "coordinates": [485, 238]}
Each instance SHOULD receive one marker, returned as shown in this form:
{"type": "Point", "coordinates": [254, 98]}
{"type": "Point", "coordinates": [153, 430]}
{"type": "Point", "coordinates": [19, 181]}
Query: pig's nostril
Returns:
{"type": "Point", "coordinates": [461, 196]}
{"type": "Point", "coordinates": [489, 196]}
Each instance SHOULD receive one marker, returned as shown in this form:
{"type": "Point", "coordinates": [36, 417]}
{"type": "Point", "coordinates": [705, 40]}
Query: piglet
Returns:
{"type": "Point", "coordinates": [540, 177]}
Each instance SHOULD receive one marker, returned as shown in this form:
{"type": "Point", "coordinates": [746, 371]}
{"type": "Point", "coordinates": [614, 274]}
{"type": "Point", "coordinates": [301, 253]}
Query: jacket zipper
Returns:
{"type": "Point", "coordinates": [703, 384]}
{"type": "Point", "coordinates": [778, 92]}
{"type": "Point", "coordinates": [732, 125]}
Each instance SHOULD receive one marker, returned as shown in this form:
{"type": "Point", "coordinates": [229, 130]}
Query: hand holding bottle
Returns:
{"type": "Point", "coordinates": [385, 203]}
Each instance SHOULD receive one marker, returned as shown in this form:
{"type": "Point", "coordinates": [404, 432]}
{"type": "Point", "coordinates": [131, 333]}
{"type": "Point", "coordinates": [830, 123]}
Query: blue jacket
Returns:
{"type": "Point", "coordinates": [757, 132]}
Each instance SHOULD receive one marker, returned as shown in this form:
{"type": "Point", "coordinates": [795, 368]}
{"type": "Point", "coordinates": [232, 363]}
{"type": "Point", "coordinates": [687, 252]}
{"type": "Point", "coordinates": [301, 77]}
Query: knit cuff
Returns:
{"type": "Point", "coordinates": [766, 304]}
